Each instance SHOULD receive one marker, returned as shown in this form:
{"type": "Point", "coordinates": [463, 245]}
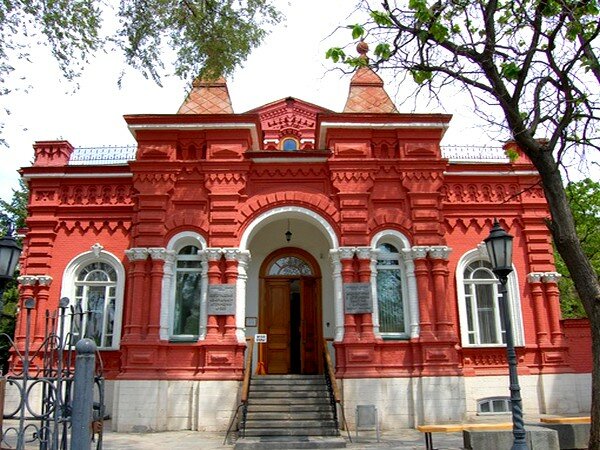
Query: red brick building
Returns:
{"type": "Point", "coordinates": [218, 226]}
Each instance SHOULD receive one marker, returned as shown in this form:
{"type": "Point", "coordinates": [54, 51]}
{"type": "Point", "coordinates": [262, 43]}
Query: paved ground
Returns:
{"type": "Point", "coordinates": [403, 439]}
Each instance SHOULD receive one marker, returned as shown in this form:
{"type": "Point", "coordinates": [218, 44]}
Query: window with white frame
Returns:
{"type": "Point", "coordinates": [188, 292]}
{"type": "Point", "coordinates": [94, 281]}
{"type": "Point", "coordinates": [390, 290]}
{"type": "Point", "coordinates": [485, 323]}
{"type": "Point", "coordinates": [183, 302]}
{"type": "Point", "coordinates": [481, 316]}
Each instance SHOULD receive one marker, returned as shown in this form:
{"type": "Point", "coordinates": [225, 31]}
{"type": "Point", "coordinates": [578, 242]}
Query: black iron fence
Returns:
{"type": "Point", "coordinates": [54, 391]}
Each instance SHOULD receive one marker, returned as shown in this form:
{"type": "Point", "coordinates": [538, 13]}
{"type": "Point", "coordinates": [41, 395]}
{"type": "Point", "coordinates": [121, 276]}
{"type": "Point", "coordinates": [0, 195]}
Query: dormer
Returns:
{"type": "Point", "coordinates": [289, 124]}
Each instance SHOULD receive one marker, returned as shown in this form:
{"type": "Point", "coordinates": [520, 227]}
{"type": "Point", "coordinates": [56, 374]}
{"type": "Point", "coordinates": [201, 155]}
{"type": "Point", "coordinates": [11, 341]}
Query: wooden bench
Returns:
{"type": "Point", "coordinates": [428, 430]}
{"type": "Point", "coordinates": [566, 419]}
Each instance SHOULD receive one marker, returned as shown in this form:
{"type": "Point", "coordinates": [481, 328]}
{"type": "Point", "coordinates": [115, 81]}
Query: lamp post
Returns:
{"type": "Point", "coordinates": [499, 248]}
{"type": "Point", "coordinates": [10, 250]}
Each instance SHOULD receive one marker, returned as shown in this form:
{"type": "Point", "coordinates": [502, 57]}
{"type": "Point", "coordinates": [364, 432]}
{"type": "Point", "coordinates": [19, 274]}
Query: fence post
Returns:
{"type": "Point", "coordinates": [83, 395]}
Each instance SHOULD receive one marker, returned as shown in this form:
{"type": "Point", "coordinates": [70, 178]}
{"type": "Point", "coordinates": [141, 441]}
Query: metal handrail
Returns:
{"type": "Point", "coordinates": [245, 391]}
{"type": "Point", "coordinates": [332, 382]}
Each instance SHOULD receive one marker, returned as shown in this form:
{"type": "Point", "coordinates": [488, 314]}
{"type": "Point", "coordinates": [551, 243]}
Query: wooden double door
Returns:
{"type": "Point", "coordinates": [290, 315]}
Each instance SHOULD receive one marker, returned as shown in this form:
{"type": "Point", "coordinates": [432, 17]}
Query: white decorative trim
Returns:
{"type": "Point", "coordinates": [137, 254]}
{"type": "Point", "coordinates": [288, 212]}
{"type": "Point", "coordinates": [276, 159]}
{"type": "Point", "coordinates": [346, 252]}
{"type": "Point", "coordinates": [535, 277]}
{"type": "Point", "coordinates": [379, 125]}
{"type": "Point", "coordinates": [97, 249]}
{"type": "Point", "coordinates": [200, 126]}
{"type": "Point", "coordinates": [408, 282]}
{"type": "Point", "coordinates": [27, 280]}
{"type": "Point", "coordinates": [551, 277]}
{"type": "Point", "coordinates": [419, 252]}
{"type": "Point", "coordinates": [439, 252]}
{"type": "Point", "coordinates": [243, 258]}
{"type": "Point", "coordinates": [167, 303]}
{"type": "Point", "coordinates": [338, 301]}
{"type": "Point", "coordinates": [158, 253]}
{"type": "Point", "coordinates": [69, 278]}
{"type": "Point", "coordinates": [44, 280]}
{"type": "Point", "coordinates": [513, 295]}
{"type": "Point", "coordinates": [495, 173]}
{"type": "Point", "coordinates": [79, 175]}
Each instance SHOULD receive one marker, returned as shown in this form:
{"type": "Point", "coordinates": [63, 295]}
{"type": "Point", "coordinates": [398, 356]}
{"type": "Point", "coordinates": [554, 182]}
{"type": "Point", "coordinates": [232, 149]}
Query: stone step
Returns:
{"type": "Point", "coordinates": [256, 432]}
{"type": "Point", "coordinates": [289, 408]}
{"type": "Point", "coordinates": [309, 414]}
{"type": "Point", "coordinates": [287, 443]}
{"type": "Point", "coordinates": [290, 394]}
{"type": "Point", "coordinates": [284, 401]}
{"type": "Point", "coordinates": [287, 387]}
{"type": "Point", "coordinates": [289, 424]}
{"type": "Point", "coordinates": [288, 377]}
{"type": "Point", "coordinates": [288, 382]}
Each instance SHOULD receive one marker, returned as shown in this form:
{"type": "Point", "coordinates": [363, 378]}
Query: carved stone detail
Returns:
{"type": "Point", "coordinates": [419, 251]}
{"type": "Point", "coordinates": [27, 280]}
{"type": "Point", "coordinates": [159, 253]}
{"type": "Point", "coordinates": [137, 254]}
{"type": "Point", "coordinates": [439, 252]}
{"type": "Point", "coordinates": [551, 277]}
{"type": "Point", "coordinates": [44, 280]}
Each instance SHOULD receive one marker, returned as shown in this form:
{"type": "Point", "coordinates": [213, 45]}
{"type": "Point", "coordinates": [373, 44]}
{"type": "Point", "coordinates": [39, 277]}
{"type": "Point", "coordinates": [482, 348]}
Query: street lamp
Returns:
{"type": "Point", "coordinates": [499, 248]}
{"type": "Point", "coordinates": [10, 250]}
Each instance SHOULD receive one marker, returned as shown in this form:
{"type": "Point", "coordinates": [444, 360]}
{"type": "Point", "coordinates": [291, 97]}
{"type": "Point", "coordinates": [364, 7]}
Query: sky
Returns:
{"type": "Point", "coordinates": [291, 62]}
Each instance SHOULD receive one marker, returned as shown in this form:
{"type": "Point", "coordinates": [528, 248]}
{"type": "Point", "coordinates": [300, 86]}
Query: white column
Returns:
{"type": "Point", "coordinates": [168, 291]}
{"type": "Point", "coordinates": [413, 293]}
{"type": "Point", "coordinates": [240, 293]}
{"type": "Point", "coordinates": [338, 304]}
{"type": "Point", "coordinates": [374, 252]}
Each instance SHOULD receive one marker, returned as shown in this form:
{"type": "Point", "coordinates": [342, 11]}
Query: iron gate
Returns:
{"type": "Point", "coordinates": [41, 380]}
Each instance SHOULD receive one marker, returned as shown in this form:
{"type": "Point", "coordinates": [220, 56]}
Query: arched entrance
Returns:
{"type": "Point", "coordinates": [290, 313]}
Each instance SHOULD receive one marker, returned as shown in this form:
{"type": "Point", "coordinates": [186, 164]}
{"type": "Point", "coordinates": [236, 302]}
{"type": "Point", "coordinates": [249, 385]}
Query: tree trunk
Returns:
{"type": "Point", "coordinates": [584, 277]}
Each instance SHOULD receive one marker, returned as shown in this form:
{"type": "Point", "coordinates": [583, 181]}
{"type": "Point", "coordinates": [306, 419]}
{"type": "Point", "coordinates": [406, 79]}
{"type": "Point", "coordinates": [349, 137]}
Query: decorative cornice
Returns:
{"type": "Point", "coordinates": [231, 254]}
{"type": "Point", "coordinates": [213, 254]}
{"type": "Point", "coordinates": [364, 252]}
{"type": "Point", "coordinates": [551, 277]}
{"type": "Point", "coordinates": [137, 253]}
{"type": "Point", "coordinates": [44, 280]}
{"type": "Point", "coordinates": [158, 253]}
{"type": "Point", "coordinates": [27, 280]}
{"type": "Point", "coordinates": [439, 252]}
{"type": "Point", "coordinates": [346, 252]}
{"type": "Point", "coordinates": [535, 277]}
{"type": "Point", "coordinates": [419, 251]}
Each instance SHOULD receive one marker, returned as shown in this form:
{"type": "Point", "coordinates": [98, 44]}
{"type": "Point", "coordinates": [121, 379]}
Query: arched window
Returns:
{"type": "Point", "coordinates": [485, 323]}
{"type": "Point", "coordinates": [188, 292]}
{"type": "Point", "coordinates": [394, 288]}
{"type": "Point", "coordinates": [95, 301]}
{"type": "Point", "coordinates": [289, 144]}
{"type": "Point", "coordinates": [389, 290]}
{"type": "Point", "coordinates": [94, 281]}
{"type": "Point", "coordinates": [290, 265]}
{"type": "Point", "coordinates": [482, 320]}
{"type": "Point", "coordinates": [183, 305]}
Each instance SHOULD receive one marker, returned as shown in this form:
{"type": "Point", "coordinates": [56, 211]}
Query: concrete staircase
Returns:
{"type": "Point", "coordinates": [289, 412]}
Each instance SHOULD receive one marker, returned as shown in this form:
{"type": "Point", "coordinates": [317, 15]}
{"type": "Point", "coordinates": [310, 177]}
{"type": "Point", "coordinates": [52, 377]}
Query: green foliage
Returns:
{"type": "Point", "coordinates": [357, 31]}
{"type": "Point", "coordinates": [210, 37]}
{"type": "Point", "coordinates": [16, 212]}
{"type": "Point", "coordinates": [16, 209]}
{"type": "Point", "coordinates": [381, 18]}
{"type": "Point", "coordinates": [336, 54]}
{"type": "Point", "coordinates": [584, 199]}
{"type": "Point", "coordinates": [421, 76]}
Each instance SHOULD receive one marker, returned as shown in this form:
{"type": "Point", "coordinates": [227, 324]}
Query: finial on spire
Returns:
{"type": "Point", "coordinates": [362, 48]}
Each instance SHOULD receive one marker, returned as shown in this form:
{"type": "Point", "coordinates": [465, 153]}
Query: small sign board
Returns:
{"type": "Point", "coordinates": [357, 298]}
{"type": "Point", "coordinates": [260, 338]}
{"type": "Point", "coordinates": [221, 299]}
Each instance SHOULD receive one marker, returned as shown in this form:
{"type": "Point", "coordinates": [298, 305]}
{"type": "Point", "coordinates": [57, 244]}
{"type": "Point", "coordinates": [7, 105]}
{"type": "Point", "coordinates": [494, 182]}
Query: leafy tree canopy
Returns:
{"type": "Point", "coordinates": [210, 37]}
{"type": "Point", "coordinates": [584, 197]}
